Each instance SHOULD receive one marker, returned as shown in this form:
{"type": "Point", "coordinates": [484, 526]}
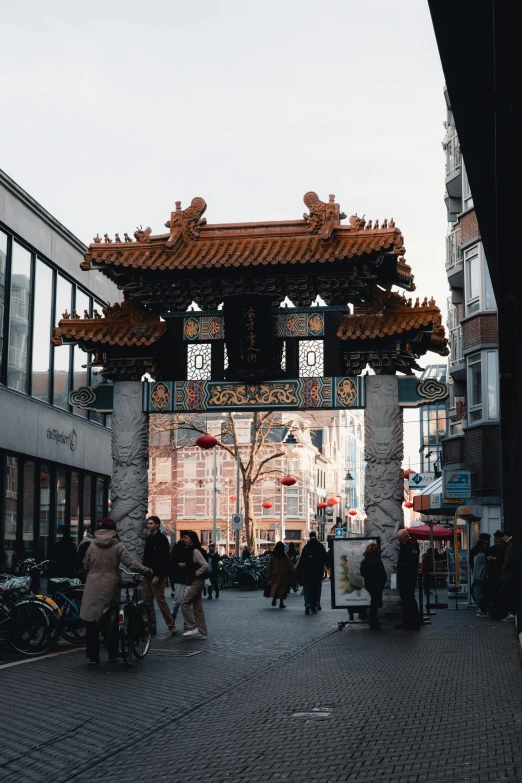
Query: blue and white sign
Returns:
{"type": "Point", "coordinates": [339, 532]}
{"type": "Point", "coordinates": [456, 484]}
{"type": "Point", "coordinates": [420, 480]}
{"type": "Point", "coordinates": [237, 521]}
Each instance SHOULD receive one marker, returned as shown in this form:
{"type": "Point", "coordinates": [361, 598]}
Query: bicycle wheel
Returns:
{"type": "Point", "coordinates": [5, 630]}
{"type": "Point", "coordinates": [36, 628]}
{"type": "Point", "coordinates": [126, 641]}
{"type": "Point", "coordinates": [142, 634]}
{"type": "Point", "coordinates": [73, 629]}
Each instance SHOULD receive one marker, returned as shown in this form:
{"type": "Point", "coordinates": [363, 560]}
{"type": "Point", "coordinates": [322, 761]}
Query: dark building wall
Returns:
{"type": "Point", "coordinates": [453, 450]}
{"type": "Point", "coordinates": [480, 330]}
{"type": "Point", "coordinates": [482, 446]}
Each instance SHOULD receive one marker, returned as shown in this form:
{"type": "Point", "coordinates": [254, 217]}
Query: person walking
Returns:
{"type": "Point", "coordinates": [374, 575]}
{"type": "Point", "coordinates": [178, 575]}
{"type": "Point", "coordinates": [495, 559]}
{"type": "Point", "coordinates": [213, 559]}
{"type": "Point", "coordinates": [156, 557]}
{"type": "Point", "coordinates": [192, 604]}
{"type": "Point", "coordinates": [278, 572]}
{"type": "Point", "coordinates": [293, 554]}
{"type": "Point", "coordinates": [407, 569]}
{"type": "Point", "coordinates": [480, 577]}
{"type": "Point", "coordinates": [102, 588]}
{"type": "Point", "coordinates": [311, 569]}
{"type": "Point", "coordinates": [506, 576]}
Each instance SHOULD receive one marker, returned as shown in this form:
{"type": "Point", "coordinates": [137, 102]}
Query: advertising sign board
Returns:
{"type": "Point", "coordinates": [420, 480]}
{"type": "Point", "coordinates": [348, 589]}
{"type": "Point", "coordinates": [456, 484]}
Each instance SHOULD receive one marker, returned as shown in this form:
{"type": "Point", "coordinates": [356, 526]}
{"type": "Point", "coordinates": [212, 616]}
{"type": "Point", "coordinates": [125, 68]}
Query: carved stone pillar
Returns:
{"type": "Point", "coordinates": [130, 457]}
{"type": "Point", "coordinates": [383, 451]}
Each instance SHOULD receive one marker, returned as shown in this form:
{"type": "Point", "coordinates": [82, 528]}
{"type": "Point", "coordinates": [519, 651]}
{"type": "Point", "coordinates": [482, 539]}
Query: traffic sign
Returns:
{"type": "Point", "coordinates": [237, 521]}
{"type": "Point", "coordinates": [339, 532]}
{"type": "Point", "coordinates": [456, 484]}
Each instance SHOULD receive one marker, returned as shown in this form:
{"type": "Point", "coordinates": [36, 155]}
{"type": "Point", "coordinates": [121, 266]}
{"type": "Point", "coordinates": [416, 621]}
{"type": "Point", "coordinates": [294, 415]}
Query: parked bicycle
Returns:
{"type": "Point", "coordinates": [243, 574]}
{"type": "Point", "coordinates": [130, 622]}
{"type": "Point", "coordinates": [27, 623]}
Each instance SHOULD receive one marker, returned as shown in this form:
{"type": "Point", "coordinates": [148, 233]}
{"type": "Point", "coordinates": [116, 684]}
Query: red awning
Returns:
{"type": "Point", "coordinates": [423, 532]}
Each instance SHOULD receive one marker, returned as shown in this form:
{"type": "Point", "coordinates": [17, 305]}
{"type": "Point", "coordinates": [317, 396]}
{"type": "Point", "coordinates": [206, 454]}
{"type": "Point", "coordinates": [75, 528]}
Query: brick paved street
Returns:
{"type": "Point", "coordinates": [274, 695]}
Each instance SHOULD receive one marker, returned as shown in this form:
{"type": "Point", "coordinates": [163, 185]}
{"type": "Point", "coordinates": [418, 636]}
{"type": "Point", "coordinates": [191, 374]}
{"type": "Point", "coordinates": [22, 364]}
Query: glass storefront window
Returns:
{"type": "Point", "coordinates": [62, 354]}
{"type": "Point", "coordinates": [100, 493]}
{"type": "Point", "coordinates": [11, 509]}
{"type": "Point", "coordinates": [43, 293]}
{"type": "Point", "coordinates": [45, 510]}
{"type": "Point", "coordinates": [61, 502]}
{"type": "Point", "coordinates": [87, 503]}
{"type": "Point", "coordinates": [3, 264]}
{"type": "Point", "coordinates": [80, 358]}
{"type": "Point", "coordinates": [28, 510]}
{"type": "Point", "coordinates": [19, 316]}
{"type": "Point", "coordinates": [75, 506]}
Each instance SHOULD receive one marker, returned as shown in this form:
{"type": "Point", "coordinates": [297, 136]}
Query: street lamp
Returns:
{"type": "Point", "coordinates": [207, 441]}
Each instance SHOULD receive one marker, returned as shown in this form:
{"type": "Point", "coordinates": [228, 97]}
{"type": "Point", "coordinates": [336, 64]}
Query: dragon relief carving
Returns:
{"type": "Point", "coordinates": [130, 455]}
{"type": "Point", "coordinates": [188, 220]}
{"type": "Point", "coordinates": [384, 447]}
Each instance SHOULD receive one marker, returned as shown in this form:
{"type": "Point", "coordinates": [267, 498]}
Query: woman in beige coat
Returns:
{"type": "Point", "coordinates": [102, 588]}
{"type": "Point", "coordinates": [279, 570]}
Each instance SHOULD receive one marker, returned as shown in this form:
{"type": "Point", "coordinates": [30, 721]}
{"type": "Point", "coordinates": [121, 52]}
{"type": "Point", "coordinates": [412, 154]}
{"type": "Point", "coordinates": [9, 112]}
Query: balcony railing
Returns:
{"type": "Point", "coordinates": [453, 156]}
{"type": "Point", "coordinates": [453, 255]}
{"type": "Point", "coordinates": [455, 343]}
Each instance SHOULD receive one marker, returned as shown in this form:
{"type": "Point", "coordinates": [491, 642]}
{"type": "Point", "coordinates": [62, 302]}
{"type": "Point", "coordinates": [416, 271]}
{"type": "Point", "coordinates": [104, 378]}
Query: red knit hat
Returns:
{"type": "Point", "coordinates": [108, 524]}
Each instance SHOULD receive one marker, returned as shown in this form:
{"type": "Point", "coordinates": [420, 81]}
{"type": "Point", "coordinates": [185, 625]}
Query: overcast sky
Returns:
{"type": "Point", "coordinates": [112, 111]}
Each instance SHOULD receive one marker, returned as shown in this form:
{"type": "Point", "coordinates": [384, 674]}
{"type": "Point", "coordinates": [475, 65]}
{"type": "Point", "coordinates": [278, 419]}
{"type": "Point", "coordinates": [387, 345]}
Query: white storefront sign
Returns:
{"type": "Point", "coordinates": [420, 480]}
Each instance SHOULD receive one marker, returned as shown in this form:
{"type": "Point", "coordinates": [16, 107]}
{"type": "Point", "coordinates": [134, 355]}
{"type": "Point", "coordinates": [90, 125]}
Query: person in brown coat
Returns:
{"type": "Point", "coordinates": [102, 588]}
{"type": "Point", "coordinates": [279, 571]}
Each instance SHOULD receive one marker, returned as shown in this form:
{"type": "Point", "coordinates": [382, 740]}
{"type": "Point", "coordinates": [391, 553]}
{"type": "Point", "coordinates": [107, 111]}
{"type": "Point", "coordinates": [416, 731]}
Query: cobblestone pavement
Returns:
{"type": "Point", "coordinates": [273, 695]}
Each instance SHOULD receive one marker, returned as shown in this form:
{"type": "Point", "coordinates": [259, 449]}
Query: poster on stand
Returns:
{"type": "Point", "coordinates": [348, 589]}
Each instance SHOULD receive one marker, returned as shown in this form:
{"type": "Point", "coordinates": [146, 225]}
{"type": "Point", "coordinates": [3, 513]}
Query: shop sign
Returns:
{"type": "Point", "coordinates": [456, 484]}
{"type": "Point", "coordinates": [420, 480]}
{"type": "Point", "coordinates": [65, 439]}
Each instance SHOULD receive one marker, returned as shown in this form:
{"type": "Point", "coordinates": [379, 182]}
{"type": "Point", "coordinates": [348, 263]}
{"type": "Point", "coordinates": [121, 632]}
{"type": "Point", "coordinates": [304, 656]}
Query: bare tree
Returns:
{"type": "Point", "coordinates": [256, 456]}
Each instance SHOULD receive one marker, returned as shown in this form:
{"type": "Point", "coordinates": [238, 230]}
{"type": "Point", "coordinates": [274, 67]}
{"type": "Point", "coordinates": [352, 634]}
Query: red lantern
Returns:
{"type": "Point", "coordinates": [408, 504]}
{"type": "Point", "coordinates": [332, 501]}
{"type": "Point", "coordinates": [267, 504]}
{"type": "Point", "coordinates": [206, 441]}
{"type": "Point", "coordinates": [288, 481]}
{"type": "Point", "coordinates": [407, 473]}
{"type": "Point", "coordinates": [322, 505]}
{"type": "Point", "coordinates": [233, 498]}
{"type": "Point", "coordinates": [353, 513]}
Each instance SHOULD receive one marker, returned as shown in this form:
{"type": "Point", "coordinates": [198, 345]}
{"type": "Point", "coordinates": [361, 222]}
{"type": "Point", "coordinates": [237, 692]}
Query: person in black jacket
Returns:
{"type": "Point", "coordinates": [495, 560]}
{"type": "Point", "coordinates": [374, 575]}
{"type": "Point", "coordinates": [407, 570]}
{"type": "Point", "coordinates": [311, 568]}
{"type": "Point", "coordinates": [156, 557]}
{"type": "Point", "coordinates": [213, 559]}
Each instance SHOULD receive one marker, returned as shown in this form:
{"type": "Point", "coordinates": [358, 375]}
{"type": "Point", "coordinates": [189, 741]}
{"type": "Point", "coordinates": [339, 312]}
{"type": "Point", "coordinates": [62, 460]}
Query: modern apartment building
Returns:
{"type": "Point", "coordinates": [473, 441]}
{"type": "Point", "coordinates": [55, 461]}
{"type": "Point", "coordinates": [433, 425]}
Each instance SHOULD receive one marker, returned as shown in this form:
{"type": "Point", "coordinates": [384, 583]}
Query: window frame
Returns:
{"type": "Point", "coordinates": [482, 358]}
{"type": "Point", "coordinates": [479, 302]}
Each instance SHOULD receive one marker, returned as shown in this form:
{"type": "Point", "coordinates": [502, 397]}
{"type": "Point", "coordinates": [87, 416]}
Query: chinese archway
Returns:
{"type": "Point", "coordinates": [240, 274]}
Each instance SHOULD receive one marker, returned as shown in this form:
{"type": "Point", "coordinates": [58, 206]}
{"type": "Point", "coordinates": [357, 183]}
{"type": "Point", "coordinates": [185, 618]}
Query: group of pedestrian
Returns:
{"type": "Point", "coordinates": [492, 573]}
{"type": "Point", "coordinates": [187, 564]}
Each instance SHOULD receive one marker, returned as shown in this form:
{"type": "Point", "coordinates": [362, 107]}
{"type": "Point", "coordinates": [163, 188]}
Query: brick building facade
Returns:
{"type": "Point", "coordinates": [473, 441]}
